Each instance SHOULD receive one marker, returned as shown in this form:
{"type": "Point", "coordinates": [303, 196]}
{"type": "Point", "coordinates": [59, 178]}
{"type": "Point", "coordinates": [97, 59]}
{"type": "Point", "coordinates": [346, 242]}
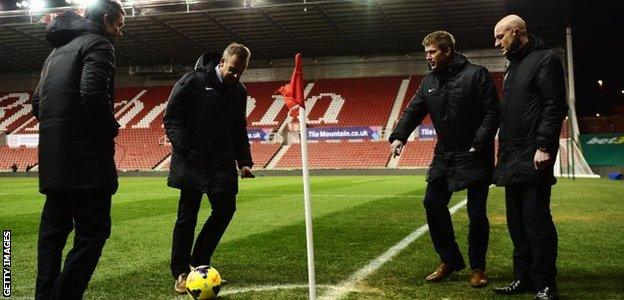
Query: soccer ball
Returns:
{"type": "Point", "coordinates": [203, 282]}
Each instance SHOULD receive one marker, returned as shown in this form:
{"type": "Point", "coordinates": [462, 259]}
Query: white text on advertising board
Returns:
{"type": "Point", "coordinates": [608, 141]}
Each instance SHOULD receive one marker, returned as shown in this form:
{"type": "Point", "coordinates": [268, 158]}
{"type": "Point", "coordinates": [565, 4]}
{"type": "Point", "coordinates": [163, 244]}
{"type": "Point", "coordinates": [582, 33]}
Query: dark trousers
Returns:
{"type": "Point", "coordinates": [86, 211]}
{"type": "Point", "coordinates": [533, 234]}
{"type": "Point", "coordinates": [436, 203]}
{"type": "Point", "coordinates": [223, 207]}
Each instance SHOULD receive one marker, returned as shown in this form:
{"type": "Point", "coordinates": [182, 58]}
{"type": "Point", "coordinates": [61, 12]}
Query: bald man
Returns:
{"type": "Point", "coordinates": [531, 112]}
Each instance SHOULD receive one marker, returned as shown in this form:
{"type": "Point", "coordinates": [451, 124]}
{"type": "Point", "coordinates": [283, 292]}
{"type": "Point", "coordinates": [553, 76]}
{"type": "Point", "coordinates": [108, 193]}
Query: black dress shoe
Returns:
{"type": "Point", "coordinates": [514, 288]}
{"type": "Point", "coordinates": [547, 293]}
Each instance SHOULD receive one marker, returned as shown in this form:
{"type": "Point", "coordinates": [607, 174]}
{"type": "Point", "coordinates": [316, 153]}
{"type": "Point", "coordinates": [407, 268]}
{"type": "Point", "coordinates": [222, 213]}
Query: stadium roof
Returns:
{"type": "Point", "coordinates": [177, 32]}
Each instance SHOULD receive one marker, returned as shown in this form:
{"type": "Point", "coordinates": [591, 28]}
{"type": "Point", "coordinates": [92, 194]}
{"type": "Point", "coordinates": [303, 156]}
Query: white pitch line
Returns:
{"type": "Point", "coordinates": [349, 285]}
{"type": "Point", "coordinates": [262, 288]}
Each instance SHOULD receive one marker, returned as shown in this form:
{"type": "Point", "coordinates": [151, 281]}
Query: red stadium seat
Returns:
{"type": "Point", "coordinates": [417, 154]}
{"type": "Point", "coordinates": [343, 154]}
{"type": "Point", "coordinates": [367, 101]}
{"type": "Point", "coordinates": [262, 112]}
{"type": "Point", "coordinates": [262, 153]}
{"type": "Point", "coordinates": [360, 102]}
{"type": "Point", "coordinates": [21, 156]}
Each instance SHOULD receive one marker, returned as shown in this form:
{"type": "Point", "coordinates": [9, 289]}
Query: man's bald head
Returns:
{"type": "Point", "coordinates": [510, 34]}
{"type": "Point", "coordinates": [510, 22]}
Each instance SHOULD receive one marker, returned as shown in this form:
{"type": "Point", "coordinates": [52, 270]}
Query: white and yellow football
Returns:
{"type": "Point", "coordinates": [203, 282]}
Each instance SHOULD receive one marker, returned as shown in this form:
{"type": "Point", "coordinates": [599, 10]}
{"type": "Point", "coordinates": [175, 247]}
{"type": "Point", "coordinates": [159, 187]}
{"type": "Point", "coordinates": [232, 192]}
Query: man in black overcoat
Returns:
{"type": "Point", "coordinates": [74, 105]}
{"type": "Point", "coordinates": [531, 114]}
{"type": "Point", "coordinates": [205, 120]}
{"type": "Point", "coordinates": [461, 100]}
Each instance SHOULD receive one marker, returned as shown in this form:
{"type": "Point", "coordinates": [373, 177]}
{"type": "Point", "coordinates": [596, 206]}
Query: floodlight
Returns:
{"type": "Point", "coordinates": [37, 5]}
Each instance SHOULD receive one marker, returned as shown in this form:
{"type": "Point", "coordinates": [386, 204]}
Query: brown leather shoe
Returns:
{"type": "Point", "coordinates": [442, 272]}
{"type": "Point", "coordinates": [478, 279]}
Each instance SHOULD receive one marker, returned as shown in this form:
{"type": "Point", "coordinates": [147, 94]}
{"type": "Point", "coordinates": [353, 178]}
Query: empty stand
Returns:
{"type": "Point", "coordinates": [417, 154]}
{"type": "Point", "coordinates": [138, 149]}
{"type": "Point", "coordinates": [264, 108]}
{"type": "Point", "coordinates": [262, 153]}
{"type": "Point", "coordinates": [411, 91]}
{"type": "Point", "coordinates": [138, 146]}
{"type": "Point", "coordinates": [30, 126]}
{"type": "Point", "coordinates": [357, 155]}
{"type": "Point", "coordinates": [331, 102]}
{"type": "Point", "coordinates": [21, 156]}
{"type": "Point", "coordinates": [352, 101]}
{"type": "Point", "coordinates": [15, 109]}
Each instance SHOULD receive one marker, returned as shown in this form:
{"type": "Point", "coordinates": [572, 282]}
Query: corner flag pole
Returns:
{"type": "Point", "coordinates": [303, 119]}
{"type": "Point", "coordinates": [294, 96]}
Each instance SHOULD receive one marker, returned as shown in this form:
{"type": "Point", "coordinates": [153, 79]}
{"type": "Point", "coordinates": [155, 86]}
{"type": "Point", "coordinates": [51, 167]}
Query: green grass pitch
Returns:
{"type": "Point", "coordinates": [356, 219]}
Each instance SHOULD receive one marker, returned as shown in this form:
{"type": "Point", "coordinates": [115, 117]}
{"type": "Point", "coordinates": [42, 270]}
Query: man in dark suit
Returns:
{"type": "Point", "coordinates": [205, 121]}
{"type": "Point", "coordinates": [461, 99]}
{"type": "Point", "coordinates": [74, 105]}
{"type": "Point", "coordinates": [532, 111]}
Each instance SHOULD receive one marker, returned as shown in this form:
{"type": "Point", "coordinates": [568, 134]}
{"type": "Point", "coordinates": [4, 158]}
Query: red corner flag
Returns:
{"type": "Point", "coordinates": [293, 91]}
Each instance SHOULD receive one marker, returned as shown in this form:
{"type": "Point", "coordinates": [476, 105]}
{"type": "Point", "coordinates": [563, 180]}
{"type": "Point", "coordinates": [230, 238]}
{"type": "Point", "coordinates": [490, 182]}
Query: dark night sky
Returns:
{"type": "Point", "coordinates": [598, 48]}
{"type": "Point", "coordinates": [598, 45]}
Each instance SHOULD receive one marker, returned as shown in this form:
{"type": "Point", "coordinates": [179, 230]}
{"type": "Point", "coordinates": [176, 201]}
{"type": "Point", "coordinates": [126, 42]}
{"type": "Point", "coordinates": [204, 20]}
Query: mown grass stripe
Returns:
{"type": "Point", "coordinates": [350, 283]}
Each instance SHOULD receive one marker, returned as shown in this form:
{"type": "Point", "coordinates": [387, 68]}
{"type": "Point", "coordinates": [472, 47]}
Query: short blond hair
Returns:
{"type": "Point", "coordinates": [441, 39]}
{"type": "Point", "coordinates": [237, 49]}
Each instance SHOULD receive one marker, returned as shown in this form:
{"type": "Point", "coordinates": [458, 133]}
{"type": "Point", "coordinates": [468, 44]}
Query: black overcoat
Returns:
{"type": "Point", "coordinates": [463, 104]}
{"type": "Point", "coordinates": [74, 105]}
{"type": "Point", "coordinates": [531, 113]}
{"type": "Point", "coordinates": [205, 120]}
